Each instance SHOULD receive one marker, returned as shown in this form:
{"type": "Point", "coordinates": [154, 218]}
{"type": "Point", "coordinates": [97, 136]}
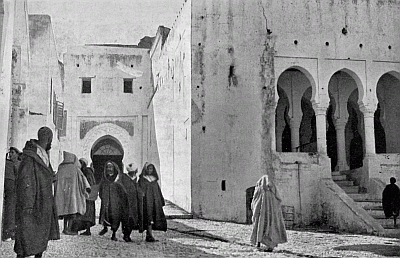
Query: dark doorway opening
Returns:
{"type": "Point", "coordinates": [106, 148]}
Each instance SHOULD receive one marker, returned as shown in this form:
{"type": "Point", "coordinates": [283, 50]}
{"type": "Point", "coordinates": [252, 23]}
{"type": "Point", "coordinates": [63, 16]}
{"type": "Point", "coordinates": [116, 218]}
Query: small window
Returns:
{"type": "Point", "coordinates": [86, 85]}
{"type": "Point", "coordinates": [128, 86]}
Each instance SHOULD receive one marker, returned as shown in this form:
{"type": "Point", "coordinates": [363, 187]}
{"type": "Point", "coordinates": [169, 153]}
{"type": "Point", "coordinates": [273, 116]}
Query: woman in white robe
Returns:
{"type": "Point", "coordinates": [268, 223]}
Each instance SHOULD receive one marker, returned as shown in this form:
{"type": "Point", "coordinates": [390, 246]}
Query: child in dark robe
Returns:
{"type": "Point", "coordinates": [154, 217]}
{"type": "Point", "coordinates": [113, 199]}
{"type": "Point", "coordinates": [134, 213]}
{"type": "Point", "coordinates": [391, 200]}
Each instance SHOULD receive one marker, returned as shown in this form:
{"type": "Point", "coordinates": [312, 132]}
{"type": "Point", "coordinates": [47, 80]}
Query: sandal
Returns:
{"type": "Point", "coordinates": [150, 239]}
{"type": "Point", "coordinates": [103, 231]}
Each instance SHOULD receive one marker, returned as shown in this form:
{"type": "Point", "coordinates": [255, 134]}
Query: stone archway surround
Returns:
{"type": "Point", "coordinates": [107, 129]}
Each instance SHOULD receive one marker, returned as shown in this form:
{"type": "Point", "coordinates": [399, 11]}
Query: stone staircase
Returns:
{"type": "Point", "coordinates": [372, 206]}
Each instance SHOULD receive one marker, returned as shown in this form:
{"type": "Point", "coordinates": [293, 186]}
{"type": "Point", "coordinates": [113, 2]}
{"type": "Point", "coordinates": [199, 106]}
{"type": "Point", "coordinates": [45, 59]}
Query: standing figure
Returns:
{"type": "Point", "coordinates": [11, 170]}
{"type": "Point", "coordinates": [36, 213]}
{"type": "Point", "coordinates": [71, 191]}
{"type": "Point", "coordinates": [113, 199]}
{"type": "Point", "coordinates": [268, 223]}
{"type": "Point", "coordinates": [87, 220]}
{"type": "Point", "coordinates": [391, 200]}
{"type": "Point", "coordinates": [134, 212]}
{"type": "Point", "coordinates": [154, 217]}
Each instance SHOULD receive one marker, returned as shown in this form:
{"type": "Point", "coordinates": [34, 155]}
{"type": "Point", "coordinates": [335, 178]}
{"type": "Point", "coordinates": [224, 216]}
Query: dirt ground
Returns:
{"type": "Point", "coordinates": [204, 238]}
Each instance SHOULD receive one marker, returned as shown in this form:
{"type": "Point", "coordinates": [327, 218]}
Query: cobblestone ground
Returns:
{"type": "Point", "coordinates": [203, 238]}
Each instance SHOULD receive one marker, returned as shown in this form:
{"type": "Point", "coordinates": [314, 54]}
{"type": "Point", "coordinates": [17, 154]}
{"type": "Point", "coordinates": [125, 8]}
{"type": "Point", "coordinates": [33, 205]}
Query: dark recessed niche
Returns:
{"type": "Point", "coordinates": [327, 43]}
{"type": "Point", "coordinates": [131, 65]}
{"type": "Point", "coordinates": [198, 86]}
{"type": "Point", "coordinates": [344, 31]}
{"type": "Point", "coordinates": [389, 47]}
{"type": "Point", "coordinates": [361, 45]}
{"type": "Point", "coordinates": [295, 42]}
{"type": "Point", "coordinates": [140, 87]}
{"type": "Point", "coordinates": [199, 44]}
{"type": "Point", "coordinates": [77, 65]}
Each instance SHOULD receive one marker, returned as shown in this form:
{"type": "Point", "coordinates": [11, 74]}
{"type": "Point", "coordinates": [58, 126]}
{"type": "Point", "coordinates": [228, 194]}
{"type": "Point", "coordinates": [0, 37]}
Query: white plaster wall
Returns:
{"type": "Point", "coordinates": [171, 63]}
{"type": "Point", "coordinates": [225, 139]}
{"type": "Point", "coordinates": [226, 111]}
{"type": "Point", "coordinates": [38, 79]}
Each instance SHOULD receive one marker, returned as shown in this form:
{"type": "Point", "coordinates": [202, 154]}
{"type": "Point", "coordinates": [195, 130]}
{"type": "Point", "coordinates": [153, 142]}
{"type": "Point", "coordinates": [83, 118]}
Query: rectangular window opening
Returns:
{"type": "Point", "coordinates": [128, 86]}
{"type": "Point", "coordinates": [86, 85]}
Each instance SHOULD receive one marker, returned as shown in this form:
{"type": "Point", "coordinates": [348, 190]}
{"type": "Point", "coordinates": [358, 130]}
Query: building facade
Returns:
{"type": "Point", "coordinates": [299, 90]}
{"type": "Point", "coordinates": [106, 102]}
{"type": "Point", "coordinates": [296, 89]}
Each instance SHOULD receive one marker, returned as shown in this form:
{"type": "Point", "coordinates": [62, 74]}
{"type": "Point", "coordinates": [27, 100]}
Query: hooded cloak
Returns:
{"type": "Point", "coordinates": [113, 198]}
{"type": "Point", "coordinates": [391, 200]}
{"type": "Point", "coordinates": [268, 222]}
{"type": "Point", "coordinates": [153, 199]}
{"type": "Point", "coordinates": [135, 195]}
{"type": "Point", "coordinates": [70, 190]}
{"type": "Point", "coordinates": [36, 213]}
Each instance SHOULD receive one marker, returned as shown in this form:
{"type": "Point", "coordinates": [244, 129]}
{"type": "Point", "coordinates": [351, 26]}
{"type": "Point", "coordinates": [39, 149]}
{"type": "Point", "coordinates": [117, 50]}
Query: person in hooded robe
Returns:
{"type": "Point", "coordinates": [71, 191]}
{"type": "Point", "coordinates": [154, 217]}
{"type": "Point", "coordinates": [113, 199]}
{"type": "Point", "coordinates": [87, 220]}
{"type": "Point", "coordinates": [10, 174]}
{"type": "Point", "coordinates": [268, 223]}
{"type": "Point", "coordinates": [134, 213]}
{"type": "Point", "coordinates": [36, 213]}
{"type": "Point", "coordinates": [391, 200]}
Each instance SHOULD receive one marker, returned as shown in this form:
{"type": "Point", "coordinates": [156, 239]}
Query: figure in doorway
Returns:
{"type": "Point", "coordinates": [113, 199]}
{"type": "Point", "coordinates": [268, 222]}
{"type": "Point", "coordinates": [154, 217]}
{"type": "Point", "coordinates": [391, 200]}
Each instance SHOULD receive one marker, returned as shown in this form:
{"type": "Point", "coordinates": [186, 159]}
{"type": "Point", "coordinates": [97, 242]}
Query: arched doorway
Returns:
{"type": "Point", "coordinates": [308, 126]}
{"type": "Point", "coordinates": [386, 122]}
{"type": "Point", "coordinates": [294, 114]}
{"type": "Point", "coordinates": [346, 119]}
{"type": "Point", "coordinates": [104, 149]}
{"type": "Point", "coordinates": [282, 123]}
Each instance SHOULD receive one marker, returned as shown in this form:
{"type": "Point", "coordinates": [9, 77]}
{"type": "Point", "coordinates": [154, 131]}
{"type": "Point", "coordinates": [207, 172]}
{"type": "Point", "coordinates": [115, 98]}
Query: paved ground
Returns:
{"type": "Point", "coordinates": [203, 238]}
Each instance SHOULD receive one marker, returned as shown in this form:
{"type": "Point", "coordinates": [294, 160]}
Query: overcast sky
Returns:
{"type": "Point", "coordinates": [78, 22]}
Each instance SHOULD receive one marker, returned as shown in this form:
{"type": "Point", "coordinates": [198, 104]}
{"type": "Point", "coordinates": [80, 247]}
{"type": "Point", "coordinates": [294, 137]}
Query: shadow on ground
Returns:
{"type": "Point", "coordinates": [389, 249]}
{"type": "Point", "coordinates": [304, 255]}
{"type": "Point", "coordinates": [102, 246]}
{"type": "Point", "coordinates": [184, 229]}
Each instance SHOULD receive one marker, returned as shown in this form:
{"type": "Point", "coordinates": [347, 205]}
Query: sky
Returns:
{"type": "Point", "coordinates": [78, 22]}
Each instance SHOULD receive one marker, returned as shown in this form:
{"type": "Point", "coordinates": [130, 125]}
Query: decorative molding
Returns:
{"type": "Point", "coordinates": [103, 129]}
{"type": "Point", "coordinates": [87, 125]}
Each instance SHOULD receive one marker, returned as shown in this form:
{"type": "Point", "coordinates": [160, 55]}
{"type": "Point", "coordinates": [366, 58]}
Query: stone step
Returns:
{"type": "Point", "coordinates": [386, 223]}
{"type": "Point", "coordinates": [338, 177]}
{"type": "Point", "coordinates": [367, 203]}
{"type": "Point", "coordinates": [345, 183]}
{"type": "Point", "coordinates": [336, 173]}
{"type": "Point", "coordinates": [377, 207]}
{"type": "Point", "coordinates": [350, 189]}
{"type": "Point", "coordinates": [375, 213]}
{"type": "Point", "coordinates": [358, 196]}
